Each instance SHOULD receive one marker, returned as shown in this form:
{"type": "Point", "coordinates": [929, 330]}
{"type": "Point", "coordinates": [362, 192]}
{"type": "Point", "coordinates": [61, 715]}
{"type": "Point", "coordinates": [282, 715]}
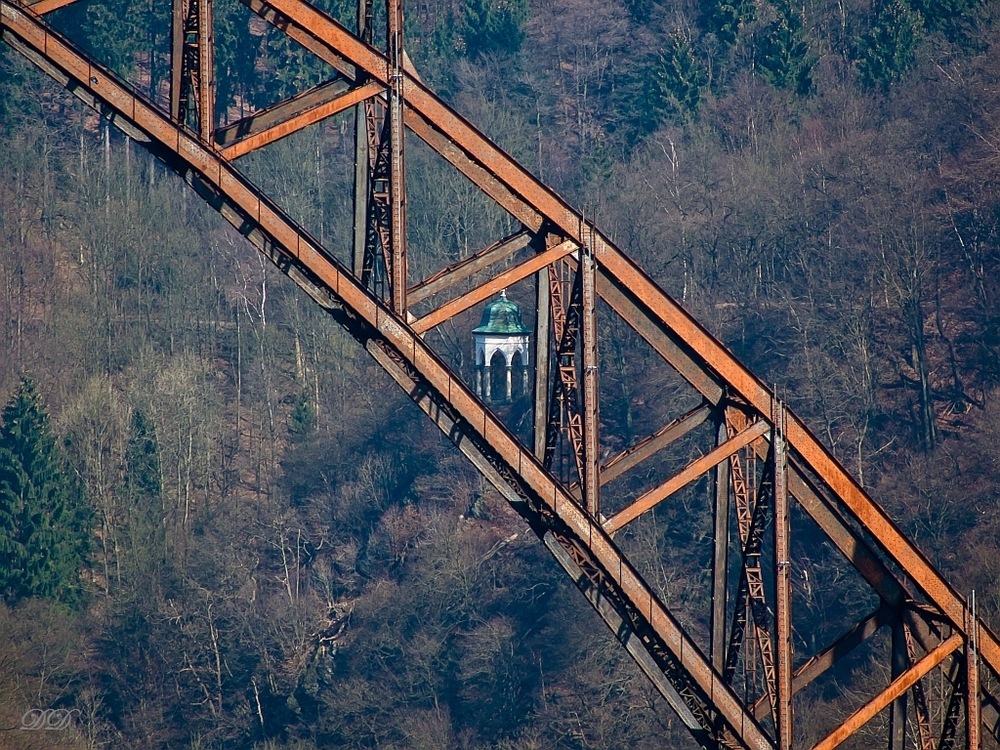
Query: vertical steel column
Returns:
{"type": "Point", "coordinates": [206, 71]}
{"type": "Point", "coordinates": [543, 327]}
{"type": "Point", "coordinates": [564, 433]}
{"type": "Point", "coordinates": [362, 158]}
{"type": "Point", "coordinates": [590, 480]}
{"type": "Point", "coordinates": [192, 67]}
{"type": "Point", "coordinates": [177, 58]}
{"type": "Point", "coordinates": [973, 707]}
{"type": "Point", "coordinates": [397, 187]}
{"type": "Point", "coordinates": [783, 581]}
{"type": "Point", "coordinates": [751, 607]}
{"type": "Point", "coordinates": [920, 707]}
{"type": "Point", "coordinates": [900, 663]}
{"type": "Point", "coordinates": [360, 189]}
{"type": "Point", "coordinates": [720, 559]}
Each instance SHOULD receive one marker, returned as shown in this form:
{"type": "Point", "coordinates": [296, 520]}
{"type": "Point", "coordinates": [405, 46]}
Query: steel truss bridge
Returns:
{"type": "Point", "coordinates": [737, 687]}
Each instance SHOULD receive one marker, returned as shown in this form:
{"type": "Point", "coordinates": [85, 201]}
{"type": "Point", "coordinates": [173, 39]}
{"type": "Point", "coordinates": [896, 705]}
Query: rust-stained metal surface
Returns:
{"type": "Point", "coordinates": [738, 689]}
{"type": "Point", "coordinates": [782, 581]}
{"type": "Point", "coordinates": [493, 286]}
{"type": "Point", "coordinates": [652, 444]}
{"type": "Point", "coordinates": [276, 115]}
{"type": "Point", "coordinates": [468, 267]}
{"type": "Point", "coordinates": [896, 688]}
{"type": "Point", "coordinates": [591, 476]}
{"type": "Point", "coordinates": [47, 6]}
{"type": "Point", "coordinates": [696, 469]}
{"type": "Point", "coordinates": [286, 126]}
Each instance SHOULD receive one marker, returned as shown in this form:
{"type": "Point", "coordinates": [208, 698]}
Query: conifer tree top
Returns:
{"type": "Point", "coordinates": [44, 521]}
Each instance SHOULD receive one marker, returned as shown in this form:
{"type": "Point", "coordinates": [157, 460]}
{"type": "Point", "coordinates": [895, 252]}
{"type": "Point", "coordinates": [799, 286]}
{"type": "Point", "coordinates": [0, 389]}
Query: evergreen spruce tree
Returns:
{"type": "Point", "coordinates": [302, 420]}
{"type": "Point", "coordinates": [954, 18]}
{"type": "Point", "coordinates": [142, 460]}
{"type": "Point", "coordinates": [44, 523]}
{"type": "Point", "coordinates": [144, 545]}
{"type": "Point", "coordinates": [493, 26]}
{"type": "Point", "coordinates": [666, 85]}
{"type": "Point", "coordinates": [640, 10]}
{"type": "Point", "coordinates": [783, 52]}
{"type": "Point", "coordinates": [113, 34]}
{"type": "Point", "coordinates": [726, 18]}
{"type": "Point", "coordinates": [887, 50]}
{"type": "Point", "coordinates": [680, 76]}
{"type": "Point", "coordinates": [236, 54]}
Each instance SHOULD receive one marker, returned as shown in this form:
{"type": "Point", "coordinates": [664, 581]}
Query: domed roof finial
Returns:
{"type": "Point", "coordinates": [502, 317]}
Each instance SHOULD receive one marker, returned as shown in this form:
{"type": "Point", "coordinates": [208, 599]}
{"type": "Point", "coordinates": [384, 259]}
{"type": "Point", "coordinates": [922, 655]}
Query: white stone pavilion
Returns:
{"type": "Point", "coordinates": [502, 359]}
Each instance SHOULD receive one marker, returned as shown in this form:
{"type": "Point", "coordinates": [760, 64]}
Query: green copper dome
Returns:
{"type": "Point", "coordinates": [501, 317]}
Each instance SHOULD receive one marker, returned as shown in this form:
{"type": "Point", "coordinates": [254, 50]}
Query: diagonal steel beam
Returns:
{"type": "Point", "coordinates": [467, 267]}
{"type": "Point", "coordinates": [415, 121]}
{"type": "Point", "coordinates": [896, 688]}
{"type": "Point", "coordinates": [302, 120]}
{"type": "Point", "coordinates": [659, 306]}
{"type": "Point", "coordinates": [638, 647]}
{"type": "Point", "coordinates": [493, 286]}
{"type": "Point", "coordinates": [656, 304]}
{"type": "Point", "coordinates": [689, 474]}
{"type": "Point", "coordinates": [635, 644]}
{"type": "Point", "coordinates": [420, 98]}
{"type": "Point", "coordinates": [85, 96]}
{"type": "Point", "coordinates": [47, 6]}
{"type": "Point", "coordinates": [709, 359]}
{"type": "Point", "coordinates": [654, 443]}
{"type": "Point", "coordinates": [281, 112]}
{"type": "Point", "coordinates": [187, 153]}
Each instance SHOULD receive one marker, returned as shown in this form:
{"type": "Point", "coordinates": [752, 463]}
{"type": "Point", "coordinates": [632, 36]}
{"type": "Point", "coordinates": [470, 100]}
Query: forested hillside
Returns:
{"type": "Point", "coordinates": [236, 532]}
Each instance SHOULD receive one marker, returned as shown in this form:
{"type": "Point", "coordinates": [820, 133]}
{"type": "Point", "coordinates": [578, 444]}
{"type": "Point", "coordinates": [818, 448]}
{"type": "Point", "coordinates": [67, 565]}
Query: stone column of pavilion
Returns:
{"type": "Point", "coordinates": [501, 340]}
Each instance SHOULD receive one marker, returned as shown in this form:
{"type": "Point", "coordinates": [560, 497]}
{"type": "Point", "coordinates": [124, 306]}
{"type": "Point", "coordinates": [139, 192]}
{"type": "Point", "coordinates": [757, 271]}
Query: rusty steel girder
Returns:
{"type": "Point", "coordinates": [765, 462]}
{"type": "Point", "coordinates": [192, 81]}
